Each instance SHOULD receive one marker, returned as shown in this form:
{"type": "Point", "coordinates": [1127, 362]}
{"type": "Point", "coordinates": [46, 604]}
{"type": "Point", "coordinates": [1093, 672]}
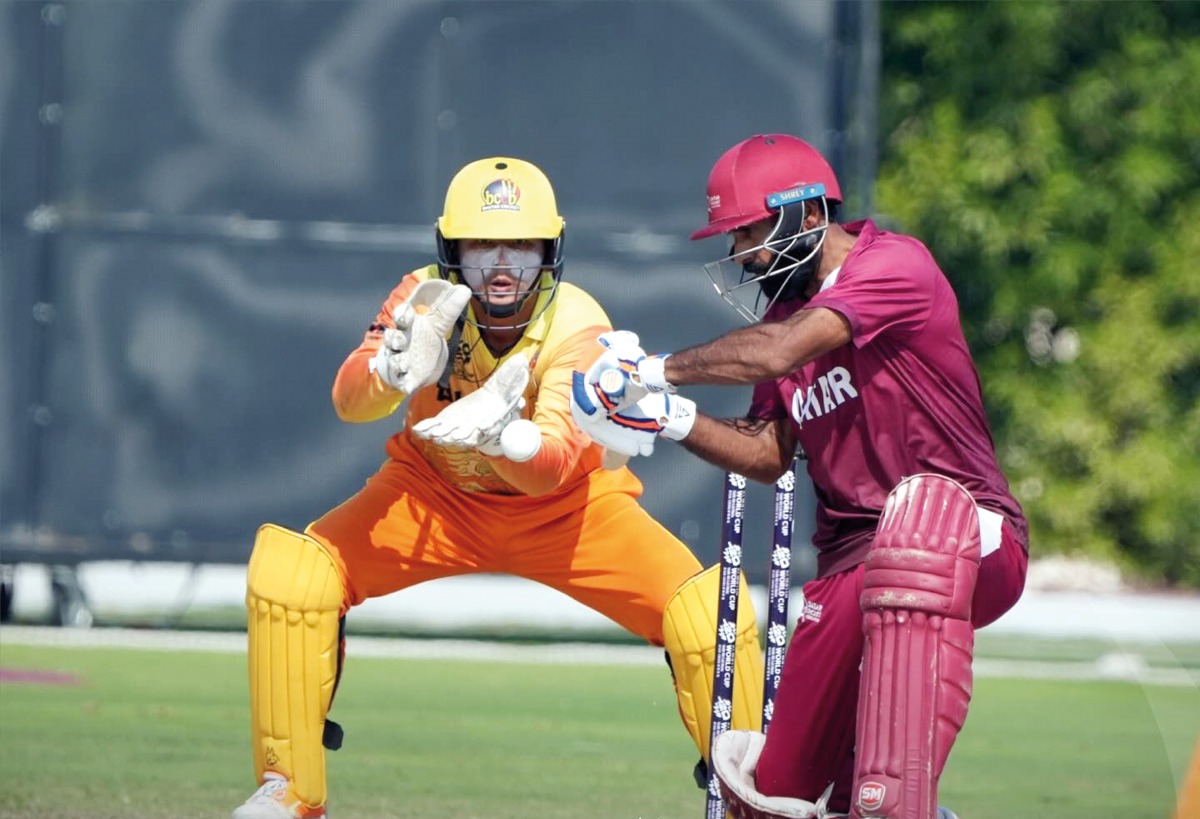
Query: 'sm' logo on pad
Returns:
{"type": "Point", "coordinates": [870, 795]}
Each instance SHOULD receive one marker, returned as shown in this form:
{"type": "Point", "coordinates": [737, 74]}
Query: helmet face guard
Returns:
{"type": "Point", "coordinates": [753, 288]}
{"type": "Point", "coordinates": [451, 267]}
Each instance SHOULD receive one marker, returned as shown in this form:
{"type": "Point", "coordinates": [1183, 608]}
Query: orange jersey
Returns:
{"type": "Point", "coordinates": [560, 340]}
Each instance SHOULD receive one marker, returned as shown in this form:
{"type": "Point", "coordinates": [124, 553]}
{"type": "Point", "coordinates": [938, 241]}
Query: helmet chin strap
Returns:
{"type": "Point", "coordinates": [503, 310]}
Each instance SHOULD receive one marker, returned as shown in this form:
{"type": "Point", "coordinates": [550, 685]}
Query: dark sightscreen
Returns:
{"type": "Point", "coordinates": [204, 203]}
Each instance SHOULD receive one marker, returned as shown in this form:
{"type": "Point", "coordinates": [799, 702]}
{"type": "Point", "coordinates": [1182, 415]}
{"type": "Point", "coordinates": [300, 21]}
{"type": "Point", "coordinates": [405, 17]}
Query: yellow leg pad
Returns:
{"type": "Point", "coordinates": [293, 599]}
{"type": "Point", "coordinates": [690, 637]}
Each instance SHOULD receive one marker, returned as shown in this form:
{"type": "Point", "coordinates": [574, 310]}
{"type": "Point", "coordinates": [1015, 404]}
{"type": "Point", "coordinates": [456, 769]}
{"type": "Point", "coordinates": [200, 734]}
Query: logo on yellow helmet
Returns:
{"type": "Point", "coordinates": [502, 194]}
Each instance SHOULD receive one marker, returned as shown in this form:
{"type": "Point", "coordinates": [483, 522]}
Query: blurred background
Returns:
{"type": "Point", "coordinates": [203, 203]}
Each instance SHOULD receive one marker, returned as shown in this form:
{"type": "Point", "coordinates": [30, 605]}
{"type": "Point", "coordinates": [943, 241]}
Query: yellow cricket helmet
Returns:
{"type": "Point", "coordinates": [500, 198]}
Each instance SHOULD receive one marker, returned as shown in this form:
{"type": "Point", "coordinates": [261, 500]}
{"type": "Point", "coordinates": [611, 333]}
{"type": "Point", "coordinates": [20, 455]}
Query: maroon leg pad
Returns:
{"type": "Point", "coordinates": [916, 672]}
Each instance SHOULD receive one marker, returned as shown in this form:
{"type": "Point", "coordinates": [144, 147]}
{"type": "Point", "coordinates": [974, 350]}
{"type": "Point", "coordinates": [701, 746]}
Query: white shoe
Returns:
{"type": "Point", "coordinates": [274, 801]}
{"type": "Point", "coordinates": [946, 813]}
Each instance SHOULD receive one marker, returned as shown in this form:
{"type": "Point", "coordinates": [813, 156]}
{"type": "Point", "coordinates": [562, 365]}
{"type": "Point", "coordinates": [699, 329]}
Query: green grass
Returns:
{"type": "Point", "coordinates": [150, 735]}
{"type": "Point", "coordinates": [1155, 654]}
{"type": "Point", "coordinates": [988, 643]}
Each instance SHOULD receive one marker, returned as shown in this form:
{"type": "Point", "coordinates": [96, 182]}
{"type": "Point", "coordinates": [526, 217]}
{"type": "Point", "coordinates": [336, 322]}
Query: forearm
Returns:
{"type": "Point", "coordinates": [546, 471]}
{"type": "Point", "coordinates": [359, 396]}
{"type": "Point", "coordinates": [562, 443]}
{"type": "Point", "coordinates": [760, 352]}
{"type": "Point", "coordinates": [745, 356]}
{"type": "Point", "coordinates": [758, 449]}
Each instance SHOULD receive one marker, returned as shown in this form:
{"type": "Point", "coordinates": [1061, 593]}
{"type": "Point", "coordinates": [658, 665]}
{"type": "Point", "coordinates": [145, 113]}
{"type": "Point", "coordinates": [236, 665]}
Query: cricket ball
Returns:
{"type": "Point", "coordinates": [520, 440]}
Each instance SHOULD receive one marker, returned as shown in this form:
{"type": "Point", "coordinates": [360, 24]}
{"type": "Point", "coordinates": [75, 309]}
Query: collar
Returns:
{"type": "Point", "coordinates": [830, 280]}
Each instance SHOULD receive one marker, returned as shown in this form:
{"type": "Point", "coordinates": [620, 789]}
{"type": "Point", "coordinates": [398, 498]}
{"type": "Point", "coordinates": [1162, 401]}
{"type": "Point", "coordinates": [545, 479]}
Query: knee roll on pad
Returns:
{"type": "Point", "coordinates": [293, 599]}
{"type": "Point", "coordinates": [690, 638]}
{"type": "Point", "coordinates": [916, 673]}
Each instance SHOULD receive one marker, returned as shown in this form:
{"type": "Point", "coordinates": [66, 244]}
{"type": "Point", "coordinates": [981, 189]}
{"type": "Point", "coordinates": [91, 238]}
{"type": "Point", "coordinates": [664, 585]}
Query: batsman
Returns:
{"type": "Point", "coordinates": [857, 355]}
{"type": "Point", "coordinates": [487, 474]}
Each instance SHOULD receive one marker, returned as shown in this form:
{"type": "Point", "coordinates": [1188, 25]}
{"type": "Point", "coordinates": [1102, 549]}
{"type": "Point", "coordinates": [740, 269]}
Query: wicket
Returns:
{"type": "Point", "coordinates": [779, 588]}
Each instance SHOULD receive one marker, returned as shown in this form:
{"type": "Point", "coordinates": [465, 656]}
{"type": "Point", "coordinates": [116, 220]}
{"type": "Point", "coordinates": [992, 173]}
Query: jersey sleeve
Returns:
{"type": "Point", "coordinates": [359, 395]}
{"type": "Point", "coordinates": [563, 443]}
{"type": "Point", "coordinates": [887, 288]}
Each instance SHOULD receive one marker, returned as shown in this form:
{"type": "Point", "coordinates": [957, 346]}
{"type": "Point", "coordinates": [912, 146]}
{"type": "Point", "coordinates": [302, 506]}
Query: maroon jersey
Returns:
{"type": "Point", "coordinates": [902, 398]}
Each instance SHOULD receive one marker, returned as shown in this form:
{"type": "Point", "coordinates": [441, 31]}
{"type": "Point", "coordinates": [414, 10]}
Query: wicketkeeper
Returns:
{"type": "Point", "coordinates": [859, 357]}
{"type": "Point", "coordinates": [488, 474]}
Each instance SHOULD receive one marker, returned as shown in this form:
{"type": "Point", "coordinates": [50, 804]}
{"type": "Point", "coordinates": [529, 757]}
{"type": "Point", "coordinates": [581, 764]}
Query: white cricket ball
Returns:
{"type": "Point", "coordinates": [612, 382]}
{"type": "Point", "coordinates": [520, 440]}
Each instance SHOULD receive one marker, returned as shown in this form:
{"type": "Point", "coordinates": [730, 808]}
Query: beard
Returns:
{"type": "Point", "coordinates": [789, 285]}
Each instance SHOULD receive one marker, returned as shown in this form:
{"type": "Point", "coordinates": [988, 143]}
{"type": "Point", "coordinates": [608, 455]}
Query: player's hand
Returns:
{"type": "Point", "coordinates": [633, 430]}
{"type": "Point", "coordinates": [475, 421]}
{"type": "Point", "coordinates": [631, 373]}
{"type": "Point", "coordinates": [414, 353]}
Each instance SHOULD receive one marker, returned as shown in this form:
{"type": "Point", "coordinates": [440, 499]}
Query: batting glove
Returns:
{"type": "Point", "coordinates": [633, 430]}
{"type": "Point", "coordinates": [631, 374]}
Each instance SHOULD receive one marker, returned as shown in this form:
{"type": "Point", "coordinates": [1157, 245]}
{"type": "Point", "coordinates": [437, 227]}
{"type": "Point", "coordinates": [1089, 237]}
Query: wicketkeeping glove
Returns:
{"type": "Point", "coordinates": [475, 421]}
{"type": "Point", "coordinates": [633, 430]}
{"type": "Point", "coordinates": [414, 353]}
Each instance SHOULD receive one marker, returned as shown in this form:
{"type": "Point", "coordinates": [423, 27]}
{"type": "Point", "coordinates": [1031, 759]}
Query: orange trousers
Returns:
{"type": "Point", "coordinates": [594, 543]}
{"type": "Point", "coordinates": [1189, 791]}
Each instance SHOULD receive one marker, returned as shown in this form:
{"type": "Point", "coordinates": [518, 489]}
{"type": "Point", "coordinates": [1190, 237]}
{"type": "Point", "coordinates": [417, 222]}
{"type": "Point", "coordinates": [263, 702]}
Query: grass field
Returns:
{"type": "Point", "coordinates": [151, 735]}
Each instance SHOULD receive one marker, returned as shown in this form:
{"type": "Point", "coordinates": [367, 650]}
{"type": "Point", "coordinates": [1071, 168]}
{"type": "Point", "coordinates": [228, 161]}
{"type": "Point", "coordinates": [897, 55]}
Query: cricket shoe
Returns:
{"type": "Point", "coordinates": [274, 800]}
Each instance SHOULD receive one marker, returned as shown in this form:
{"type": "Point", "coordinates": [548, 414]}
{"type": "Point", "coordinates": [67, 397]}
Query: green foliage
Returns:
{"type": "Point", "coordinates": [1049, 155]}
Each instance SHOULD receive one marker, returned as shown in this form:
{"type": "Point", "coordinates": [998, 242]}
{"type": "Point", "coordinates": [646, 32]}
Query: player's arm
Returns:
{"type": "Point", "coordinates": [758, 446]}
{"type": "Point", "coordinates": [562, 442]}
{"type": "Point", "coordinates": [359, 394]}
{"type": "Point", "coordinates": [760, 449]}
{"type": "Point", "coordinates": [403, 350]}
{"type": "Point", "coordinates": [760, 352]}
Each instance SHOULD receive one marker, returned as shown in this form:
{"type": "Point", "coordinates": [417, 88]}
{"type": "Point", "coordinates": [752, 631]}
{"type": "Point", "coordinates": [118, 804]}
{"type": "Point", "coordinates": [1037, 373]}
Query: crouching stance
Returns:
{"type": "Point", "coordinates": [488, 474]}
{"type": "Point", "coordinates": [294, 600]}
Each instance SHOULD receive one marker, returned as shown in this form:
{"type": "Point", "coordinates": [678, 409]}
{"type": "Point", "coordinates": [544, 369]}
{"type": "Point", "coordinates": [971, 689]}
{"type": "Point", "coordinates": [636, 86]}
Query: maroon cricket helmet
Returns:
{"type": "Point", "coordinates": [755, 168]}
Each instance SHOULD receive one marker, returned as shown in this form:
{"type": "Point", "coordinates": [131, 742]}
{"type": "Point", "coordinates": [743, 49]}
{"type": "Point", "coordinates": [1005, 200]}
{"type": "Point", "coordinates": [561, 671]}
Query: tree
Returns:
{"type": "Point", "coordinates": [1049, 155]}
